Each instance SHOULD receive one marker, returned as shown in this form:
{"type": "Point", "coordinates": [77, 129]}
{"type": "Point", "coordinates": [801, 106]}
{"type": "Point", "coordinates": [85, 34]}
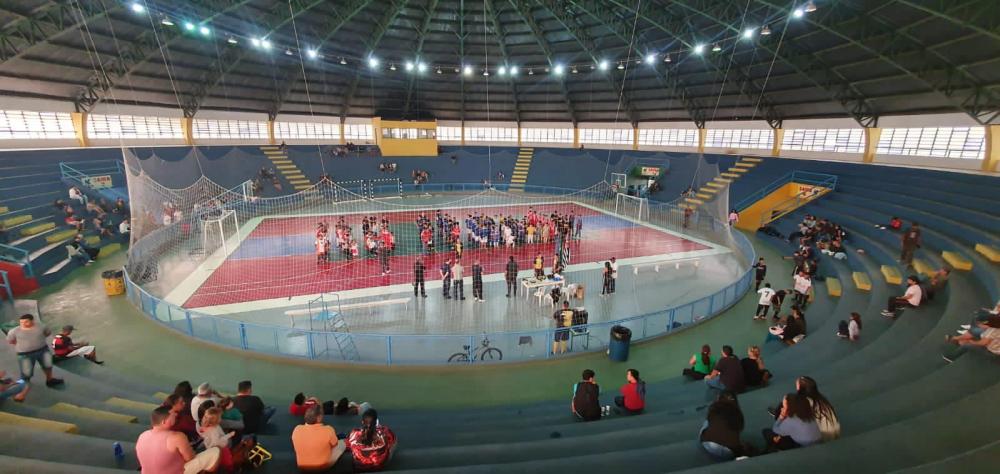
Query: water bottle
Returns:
{"type": "Point", "coordinates": [119, 452]}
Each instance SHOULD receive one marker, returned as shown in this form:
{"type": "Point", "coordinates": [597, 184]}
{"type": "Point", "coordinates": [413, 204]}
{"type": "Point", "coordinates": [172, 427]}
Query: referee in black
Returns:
{"type": "Point", "coordinates": [418, 277]}
{"type": "Point", "coordinates": [477, 281]}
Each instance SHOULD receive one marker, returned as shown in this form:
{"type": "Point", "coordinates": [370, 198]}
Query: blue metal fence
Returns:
{"type": "Point", "coordinates": [805, 177]}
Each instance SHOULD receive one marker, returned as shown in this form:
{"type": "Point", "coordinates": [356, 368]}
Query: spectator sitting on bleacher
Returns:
{"type": "Point", "coordinates": [64, 348]}
{"type": "Point", "coordinates": [910, 299]}
{"type": "Point", "coordinates": [936, 283]}
{"type": "Point", "coordinates": [205, 393]}
{"type": "Point", "coordinates": [316, 445]}
{"type": "Point", "coordinates": [120, 207]}
{"type": "Point", "coordinates": [632, 400]}
{"type": "Point", "coordinates": [75, 193]}
{"type": "Point", "coordinates": [13, 389]}
{"type": "Point", "coordinates": [162, 450]}
{"type": "Point", "coordinates": [850, 329]}
{"type": "Point", "coordinates": [826, 416]}
{"type": "Point", "coordinates": [701, 364]}
{"type": "Point", "coordinates": [754, 373]}
{"type": "Point", "coordinates": [372, 445]}
{"type": "Point", "coordinates": [125, 227]}
{"type": "Point", "coordinates": [727, 374]}
{"type": "Point", "coordinates": [978, 334]}
{"type": "Point", "coordinates": [300, 404]}
{"type": "Point", "coordinates": [72, 220]}
{"type": "Point", "coordinates": [182, 421]}
{"type": "Point", "coordinates": [795, 425]}
{"type": "Point", "coordinates": [720, 433]}
{"type": "Point", "coordinates": [789, 330]}
{"type": "Point", "coordinates": [256, 415]}
{"type": "Point", "coordinates": [345, 407]}
{"type": "Point", "coordinates": [211, 432]}
{"type": "Point", "coordinates": [586, 403]}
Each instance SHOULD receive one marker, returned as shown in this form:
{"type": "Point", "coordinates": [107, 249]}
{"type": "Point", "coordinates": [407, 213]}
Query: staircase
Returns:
{"type": "Point", "coordinates": [285, 167]}
{"type": "Point", "coordinates": [710, 189]}
{"type": "Point", "coordinates": [781, 197]}
{"type": "Point", "coordinates": [521, 167]}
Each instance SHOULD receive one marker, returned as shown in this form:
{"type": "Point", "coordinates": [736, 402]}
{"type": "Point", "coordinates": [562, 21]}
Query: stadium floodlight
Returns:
{"type": "Point", "coordinates": [421, 67]}
{"type": "Point", "coordinates": [265, 43]}
{"type": "Point", "coordinates": [372, 62]}
{"type": "Point", "coordinates": [748, 33]}
{"type": "Point", "coordinates": [312, 53]}
{"type": "Point", "coordinates": [188, 26]}
{"type": "Point", "coordinates": [502, 70]}
{"type": "Point", "coordinates": [621, 66]}
{"type": "Point", "coordinates": [716, 48]}
{"type": "Point", "coordinates": [409, 66]}
{"type": "Point", "coordinates": [255, 42]}
{"type": "Point", "coordinates": [765, 31]}
{"type": "Point", "coordinates": [343, 61]}
{"type": "Point", "coordinates": [558, 69]}
{"type": "Point", "coordinates": [699, 48]}
{"type": "Point", "coordinates": [166, 22]}
{"type": "Point", "coordinates": [137, 7]}
{"type": "Point", "coordinates": [650, 58]}
{"type": "Point", "coordinates": [467, 70]}
{"type": "Point", "coordinates": [603, 65]}
{"type": "Point", "coordinates": [232, 40]}
{"type": "Point", "coordinates": [810, 7]}
{"type": "Point", "coordinates": [392, 67]}
{"type": "Point", "coordinates": [513, 70]}
{"type": "Point", "coordinates": [204, 30]}
{"type": "Point", "coordinates": [798, 13]}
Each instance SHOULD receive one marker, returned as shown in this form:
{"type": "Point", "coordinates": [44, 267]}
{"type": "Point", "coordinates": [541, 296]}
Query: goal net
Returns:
{"type": "Point", "coordinates": [220, 229]}
{"type": "Point", "coordinates": [631, 207]}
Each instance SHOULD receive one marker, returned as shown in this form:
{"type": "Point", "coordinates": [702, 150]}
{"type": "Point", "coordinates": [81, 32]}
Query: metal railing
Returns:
{"type": "Point", "coordinates": [5, 285]}
{"type": "Point", "coordinates": [77, 173]}
{"type": "Point", "coordinates": [804, 177]}
{"type": "Point", "coordinates": [18, 256]}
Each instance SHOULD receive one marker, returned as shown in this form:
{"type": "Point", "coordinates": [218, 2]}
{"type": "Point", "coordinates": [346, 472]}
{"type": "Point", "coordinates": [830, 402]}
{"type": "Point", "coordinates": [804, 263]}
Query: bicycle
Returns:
{"type": "Point", "coordinates": [483, 353]}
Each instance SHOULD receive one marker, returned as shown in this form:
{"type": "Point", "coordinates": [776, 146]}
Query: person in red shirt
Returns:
{"type": "Point", "coordinates": [63, 347]}
{"type": "Point", "coordinates": [300, 404]}
{"type": "Point", "coordinates": [633, 394]}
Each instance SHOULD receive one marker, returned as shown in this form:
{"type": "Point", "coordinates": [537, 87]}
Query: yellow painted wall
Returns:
{"type": "Point", "coordinates": [405, 147]}
{"type": "Point", "coordinates": [750, 217]}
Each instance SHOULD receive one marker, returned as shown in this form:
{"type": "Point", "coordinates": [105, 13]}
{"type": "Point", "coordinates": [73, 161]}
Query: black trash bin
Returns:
{"type": "Point", "coordinates": [621, 337]}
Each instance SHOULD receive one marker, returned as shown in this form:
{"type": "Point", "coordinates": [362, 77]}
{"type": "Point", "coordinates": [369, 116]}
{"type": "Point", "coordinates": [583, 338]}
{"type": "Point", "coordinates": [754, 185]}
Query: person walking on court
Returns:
{"type": "Point", "coordinates": [418, 277]}
{"type": "Point", "coordinates": [456, 277]}
{"type": "Point", "coordinates": [477, 281]}
{"type": "Point", "coordinates": [911, 242]}
{"type": "Point", "coordinates": [760, 271]}
{"type": "Point", "coordinates": [539, 266]}
{"type": "Point", "coordinates": [383, 257]}
{"type": "Point", "coordinates": [606, 287]}
{"type": "Point", "coordinates": [510, 275]}
{"type": "Point", "coordinates": [445, 272]}
{"type": "Point", "coordinates": [578, 231]}
{"type": "Point", "coordinates": [614, 273]}
{"type": "Point", "coordinates": [764, 304]}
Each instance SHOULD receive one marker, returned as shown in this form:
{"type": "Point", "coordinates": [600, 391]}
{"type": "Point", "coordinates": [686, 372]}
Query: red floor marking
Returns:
{"type": "Point", "coordinates": [243, 280]}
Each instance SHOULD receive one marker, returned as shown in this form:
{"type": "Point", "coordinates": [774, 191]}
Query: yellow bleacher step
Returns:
{"type": "Point", "coordinates": [37, 228]}
{"type": "Point", "coordinates": [956, 260]}
{"type": "Point", "coordinates": [527, 148]}
{"type": "Point", "coordinates": [989, 251]}
{"type": "Point", "coordinates": [713, 184]}
{"type": "Point", "coordinates": [285, 165]}
{"type": "Point", "coordinates": [300, 187]}
{"type": "Point", "coordinates": [37, 423]}
{"type": "Point", "coordinates": [92, 240]}
{"type": "Point", "coordinates": [132, 404]}
{"type": "Point", "coordinates": [520, 173]}
{"type": "Point", "coordinates": [4, 209]}
{"type": "Point", "coordinates": [718, 179]}
{"type": "Point", "coordinates": [518, 181]}
{"type": "Point", "coordinates": [743, 164]}
{"type": "Point", "coordinates": [296, 175]}
{"type": "Point", "coordinates": [751, 159]}
{"type": "Point", "coordinates": [60, 236]}
{"type": "Point", "coordinates": [892, 274]}
{"type": "Point", "coordinates": [13, 221]}
{"type": "Point", "coordinates": [161, 395]}
{"type": "Point", "coordinates": [69, 409]}
{"type": "Point", "coordinates": [282, 161]}
{"type": "Point", "coordinates": [694, 201]}
{"type": "Point", "coordinates": [297, 182]}
{"type": "Point", "coordinates": [270, 147]}
{"type": "Point", "coordinates": [861, 281]}
{"type": "Point", "coordinates": [833, 287]}
{"type": "Point", "coordinates": [109, 249]}
{"type": "Point", "coordinates": [729, 175]}
{"type": "Point", "coordinates": [923, 267]}
{"type": "Point", "coordinates": [703, 196]}
{"type": "Point", "coordinates": [737, 170]}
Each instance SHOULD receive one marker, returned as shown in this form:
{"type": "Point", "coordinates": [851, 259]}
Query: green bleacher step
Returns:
{"type": "Point", "coordinates": [131, 404]}
{"type": "Point", "coordinates": [922, 267]}
{"type": "Point", "coordinates": [109, 249]}
{"type": "Point", "coordinates": [861, 281]}
{"type": "Point", "coordinates": [60, 236]}
{"type": "Point", "coordinates": [833, 287]}
{"type": "Point", "coordinates": [892, 274]}
{"type": "Point", "coordinates": [956, 260]}
{"type": "Point", "coordinates": [990, 252]}
{"type": "Point", "coordinates": [37, 228]}
{"type": "Point", "coordinates": [37, 423]}
{"type": "Point", "coordinates": [16, 220]}
{"type": "Point", "coordinates": [70, 409]}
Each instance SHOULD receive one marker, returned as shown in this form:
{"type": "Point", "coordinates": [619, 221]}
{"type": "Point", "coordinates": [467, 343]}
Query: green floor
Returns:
{"type": "Point", "coordinates": [137, 347]}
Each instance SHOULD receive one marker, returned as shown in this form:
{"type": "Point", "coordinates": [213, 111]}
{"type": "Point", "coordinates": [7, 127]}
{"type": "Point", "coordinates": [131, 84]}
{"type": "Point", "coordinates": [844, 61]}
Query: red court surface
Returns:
{"type": "Point", "coordinates": [292, 273]}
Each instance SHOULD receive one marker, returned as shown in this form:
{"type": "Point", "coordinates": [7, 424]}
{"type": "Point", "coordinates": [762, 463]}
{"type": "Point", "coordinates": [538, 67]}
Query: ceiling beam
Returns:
{"type": "Point", "coordinates": [501, 34]}
{"type": "Point", "coordinates": [421, 36]}
{"type": "Point", "coordinates": [526, 15]}
{"type": "Point", "coordinates": [43, 24]}
{"type": "Point", "coordinates": [964, 15]}
{"type": "Point", "coordinates": [371, 42]}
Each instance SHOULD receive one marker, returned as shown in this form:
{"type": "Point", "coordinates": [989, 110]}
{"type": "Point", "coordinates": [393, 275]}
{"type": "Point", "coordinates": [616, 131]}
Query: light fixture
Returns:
{"type": "Point", "coordinates": [421, 67]}
{"type": "Point", "coordinates": [457, 70]}
{"type": "Point", "coordinates": [716, 48]}
{"type": "Point", "coordinates": [574, 71]}
{"type": "Point", "coordinates": [188, 26]}
{"type": "Point", "coordinates": [810, 7]}
{"type": "Point", "coordinates": [265, 43]}
{"type": "Point", "coordinates": [204, 30]}
{"type": "Point", "coordinates": [392, 67]}
{"type": "Point", "coordinates": [255, 42]}
{"type": "Point", "coordinates": [166, 22]}
{"type": "Point", "coordinates": [765, 31]}
{"type": "Point", "coordinates": [137, 7]}
{"type": "Point", "coordinates": [486, 72]}
{"type": "Point", "coordinates": [502, 70]}
{"type": "Point", "coordinates": [621, 66]}
{"type": "Point", "coordinates": [798, 13]}
{"type": "Point", "coordinates": [372, 62]}
{"type": "Point", "coordinates": [650, 58]}
{"type": "Point", "coordinates": [699, 48]}
{"type": "Point", "coordinates": [409, 66]}
{"type": "Point", "coordinates": [558, 69]}
{"type": "Point", "coordinates": [288, 52]}
{"type": "Point", "coordinates": [748, 33]}
{"type": "Point", "coordinates": [467, 70]}
{"type": "Point", "coordinates": [531, 72]}
{"type": "Point", "coordinates": [439, 70]}
{"type": "Point", "coordinates": [343, 62]}
{"type": "Point", "coordinates": [312, 53]}
{"type": "Point", "coordinates": [666, 58]}
{"type": "Point", "coordinates": [232, 40]}
{"type": "Point", "coordinates": [513, 70]}
{"type": "Point", "coordinates": [603, 65]}
{"type": "Point", "coordinates": [638, 61]}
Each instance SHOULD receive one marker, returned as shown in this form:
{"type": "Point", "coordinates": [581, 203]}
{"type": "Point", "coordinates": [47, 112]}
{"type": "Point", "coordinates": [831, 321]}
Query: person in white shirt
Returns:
{"type": "Point", "coordinates": [75, 193]}
{"type": "Point", "coordinates": [802, 285]}
{"type": "Point", "coordinates": [911, 298]}
{"type": "Point", "coordinates": [614, 273]}
{"type": "Point", "coordinates": [205, 393]}
{"type": "Point", "coordinates": [124, 227]}
{"type": "Point", "coordinates": [764, 304]}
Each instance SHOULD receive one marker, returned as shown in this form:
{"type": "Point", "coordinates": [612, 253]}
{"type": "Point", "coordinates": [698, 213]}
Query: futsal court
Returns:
{"type": "Point", "coordinates": [275, 260]}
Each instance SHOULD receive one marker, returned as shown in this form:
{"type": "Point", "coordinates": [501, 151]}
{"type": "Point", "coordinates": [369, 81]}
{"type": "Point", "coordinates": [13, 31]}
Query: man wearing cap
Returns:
{"type": "Point", "coordinates": [64, 347]}
{"type": "Point", "coordinates": [28, 340]}
{"type": "Point", "coordinates": [205, 393]}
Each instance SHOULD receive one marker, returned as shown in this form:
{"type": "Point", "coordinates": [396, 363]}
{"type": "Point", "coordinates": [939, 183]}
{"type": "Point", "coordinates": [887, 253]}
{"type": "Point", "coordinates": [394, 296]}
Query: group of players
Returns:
{"type": "Point", "coordinates": [379, 241]}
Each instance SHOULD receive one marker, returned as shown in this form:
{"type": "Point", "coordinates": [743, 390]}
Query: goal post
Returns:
{"type": "Point", "coordinates": [219, 229]}
{"type": "Point", "coordinates": [632, 207]}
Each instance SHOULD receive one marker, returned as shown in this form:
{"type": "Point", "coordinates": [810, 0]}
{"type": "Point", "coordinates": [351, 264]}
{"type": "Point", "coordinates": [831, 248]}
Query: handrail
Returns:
{"type": "Point", "coordinates": [827, 184]}
{"type": "Point", "coordinates": [806, 177]}
{"type": "Point", "coordinates": [5, 285]}
{"type": "Point", "coordinates": [19, 256]}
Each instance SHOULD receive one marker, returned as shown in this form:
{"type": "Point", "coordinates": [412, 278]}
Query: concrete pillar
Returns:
{"type": "Point", "coordinates": [576, 137]}
{"type": "Point", "coordinates": [270, 133]}
{"type": "Point", "coordinates": [635, 138]}
{"type": "Point", "coordinates": [80, 128]}
{"type": "Point", "coordinates": [872, 136]}
{"type": "Point", "coordinates": [187, 130]}
{"type": "Point", "coordinates": [343, 138]}
{"type": "Point", "coordinates": [519, 134]}
{"type": "Point", "coordinates": [992, 156]}
{"type": "Point", "coordinates": [462, 127]}
{"type": "Point", "coordinates": [702, 133]}
{"type": "Point", "coordinates": [779, 136]}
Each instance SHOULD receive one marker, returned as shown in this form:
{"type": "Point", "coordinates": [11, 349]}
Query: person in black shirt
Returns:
{"type": "Point", "coordinates": [477, 281]}
{"type": "Point", "coordinates": [777, 300]}
{"type": "Point", "coordinates": [586, 404]}
{"type": "Point", "coordinates": [720, 434]}
{"type": "Point", "coordinates": [446, 278]}
{"type": "Point", "coordinates": [510, 275]}
{"type": "Point", "coordinates": [255, 413]}
{"type": "Point", "coordinates": [728, 373]}
{"type": "Point", "coordinates": [418, 277]}
{"type": "Point", "coordinates": [760, 272]}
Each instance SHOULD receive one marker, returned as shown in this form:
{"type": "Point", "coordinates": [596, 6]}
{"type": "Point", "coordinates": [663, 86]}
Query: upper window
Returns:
{"type": "Point", "coordinates": [229, 129]}
{"type": "Point", "coordinates": [606, 136]}
{"type": "Point", "coordinates": [358, 131]}
{"type": "Point", "coordinates": [946, 142]}
{"type": "Point", "coordinates": [133, 127]}
{"type": "Point", "coordinates": [27, 124]}
{"type": "Point", "coordinates": [451, 134]}
{"type": "Point", "coordinates": [837, 140]}
{"type": "Point", "coordinates": [751, 138]}
{"type": "Point", "coordinates": [669, 137]}
{"type": "Point", "coordinates": [547, 135]}
{"type": "Point", "coordinates": [490, 134]}
{"type": "Point", "coordinates": [408, 133]}
{"type": "Point", "coordinates": [306, 130]}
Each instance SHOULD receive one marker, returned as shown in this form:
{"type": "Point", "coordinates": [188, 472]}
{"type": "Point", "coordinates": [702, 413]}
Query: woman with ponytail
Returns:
{"type": "Point", "coordinates": [372, 444]}
{"type": "Point", "coordinates": [701, 364]}
{"type": "Point", "coordinates": [826, 416]}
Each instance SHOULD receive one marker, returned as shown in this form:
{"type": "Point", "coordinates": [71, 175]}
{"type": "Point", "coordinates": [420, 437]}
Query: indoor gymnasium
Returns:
{"type": "Point", "coordinates": [499, 236]}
